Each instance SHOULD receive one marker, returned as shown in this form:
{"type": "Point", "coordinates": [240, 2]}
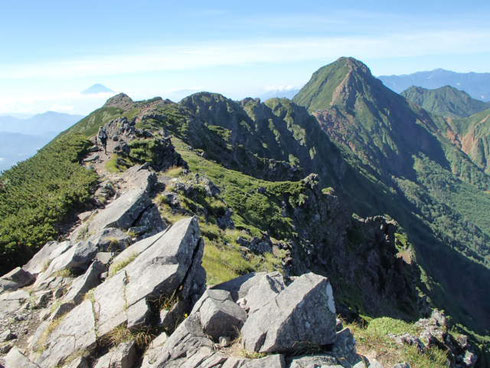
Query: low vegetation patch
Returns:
{"type": "Point", "coordinates": [40, 194]}
{"type": "Point", "coordinates": [374, 340]}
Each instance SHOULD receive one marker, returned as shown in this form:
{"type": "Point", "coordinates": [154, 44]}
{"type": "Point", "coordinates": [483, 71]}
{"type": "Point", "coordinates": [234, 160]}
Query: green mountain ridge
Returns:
{"type": "Point", "coordinates": [446, 101]}
{"type": "Point", "coordinates": [379, 153]}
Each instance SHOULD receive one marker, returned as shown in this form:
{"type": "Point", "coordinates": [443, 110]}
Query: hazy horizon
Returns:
{"type": "Point", "coordinates": [56, 50]}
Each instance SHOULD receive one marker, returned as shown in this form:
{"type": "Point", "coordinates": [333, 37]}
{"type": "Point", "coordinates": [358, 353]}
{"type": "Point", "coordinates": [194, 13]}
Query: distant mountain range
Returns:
{"type": "Point", "coordinates": [21, 138]}
{"type": "Point", "coordinates": [477, 85]}
{"type": "Point", "coordinates": [279, 93]}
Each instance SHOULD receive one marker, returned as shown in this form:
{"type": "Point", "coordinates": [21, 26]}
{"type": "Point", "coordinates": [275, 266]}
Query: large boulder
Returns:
{"type": "Point", "coordinates": [301, 315]}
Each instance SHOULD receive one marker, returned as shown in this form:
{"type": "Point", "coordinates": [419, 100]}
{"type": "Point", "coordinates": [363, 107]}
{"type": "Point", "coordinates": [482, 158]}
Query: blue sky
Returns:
{"type": "Point", "coordinates": [52, 50]}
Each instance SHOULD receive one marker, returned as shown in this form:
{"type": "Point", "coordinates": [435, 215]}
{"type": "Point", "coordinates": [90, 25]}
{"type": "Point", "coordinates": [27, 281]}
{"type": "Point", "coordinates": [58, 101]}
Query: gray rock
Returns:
{"type": "Point", "coordinates": [84, 283]}
{"type": "Point", "coordinates": [110, 303]}
{"type": "Point", "coordinates": [123, 212]}
{"type": "Point", "coordinates": [7, 335]}
{"type": "Point", "coordinates": [73, 333]}
{"type": "Point", "coordinates": [271, 361]}
{"type": "Point", "coordinates": [78, 257]}
{"type": "Point", "coordinates": [7, 285]}
{"type": "Point", "coordinates": [373, 363]}
{"type": "Point", "coordinates": [42, 259]}
{"type": "Point", "coordinates": [315, 361]}
{"type": "Point", "coordinates": [153, 351]}
{"type": "Point", "coordinates": [264, 288]}
{"type": "Point", "coordinates": [79, 288]}
{"type": "Point", "coordinates": [153, 275]}
{"type": "Point", "coordinates": [6, 347]}
{"type": "Point", "coordinates": [12, 302]}
{"type": "Point", "coordinates": [402, 365]}
{"type": "Point", "coordinates": [240, 286]}
{"type": "Point", "coordinates": [16, 359]}
{"type": "Point", "coordinates": [123, 356]}
{"type": "Point", "coordinates": [77, 363]}
{"type": "Point", "coordinates": [18, 276]}
{"type": "Point", "coordinates": [303, 313]}
{"type": "Point", "coordinates": [220, 315]}
{"type": "Point", "coordinates": [135, 249]}
{"type": "Point", "coordinates": [161, 269]}
{"type": "Point", "coordinates": [150, 222]}
{"type": "Point", "coordinates": [187, 340]}
{"type": "Point", "coordinates": [111, 240]}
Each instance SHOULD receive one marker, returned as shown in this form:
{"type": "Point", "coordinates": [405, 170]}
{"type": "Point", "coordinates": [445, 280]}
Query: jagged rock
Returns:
{"type": "Point", "coordinates": [15, 279]}
{"type": "Point", "coordinates": [287, 321]}
{"type": "Point", "coordinates": [123, 212]}
{"type": "Point", "coordinates": [5, 348]}
{"type": "Point", "coordinates": [150, 222]}
{"type": "Point", "coordinates": [73, 332]}
{"type": "Point", "coordinates": [111, 239]}
{"type": "Point", "coordinates": [410, 340]}
{"type": "Point", "coordinates": [12, 302]}
{"type": "Point", "coordinates": [79, 288]}
{"type": "Point", "coordinates": [256, 245]}
{"type": "Point", "coordinates": [155, 274]}
{"type": "Point", "coordinates": [240, 287]}
{"type": "Point", "coordinates": [315, 361]}
{"type": "Point", "coordinates": [7, 335]}
{"type": "Point", "coordinates": [345, 347]}
{"type": "Point", "coordinates": [263, 289]}
{"type": "Point", "coordinates": [123, 356]}
{"type": "Point", "coordinates": [43, 258]}
{"type": "Point", "coordinates": [153, 351]}
{"type": "Point", "coordinates": [77, 257]}
{"type": "Point", "coordinates": [271, 361]}
{"type": "Point", "coordinates": [220, 315]}
{"type": "Point", "coordinates": [16, 359]}
{"type": "Point", "coordinates": [186, 341]}
{"type": "Point", "coordinates": [135, 250]}
{"type": "Point", "coordinates": [80, 362]}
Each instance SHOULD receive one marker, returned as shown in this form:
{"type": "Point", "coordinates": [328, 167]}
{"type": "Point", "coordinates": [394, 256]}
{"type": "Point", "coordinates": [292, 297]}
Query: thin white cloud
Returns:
{"type": "Point", "coordinates": [235, 53]}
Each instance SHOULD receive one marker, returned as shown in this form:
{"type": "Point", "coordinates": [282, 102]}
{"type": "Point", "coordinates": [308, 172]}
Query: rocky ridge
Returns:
{"type": "Point", "coordinates": [126, 289]}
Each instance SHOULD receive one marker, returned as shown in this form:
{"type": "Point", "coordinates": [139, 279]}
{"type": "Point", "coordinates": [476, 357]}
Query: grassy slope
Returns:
{"type": "Point", "coordinates": [445, 101]}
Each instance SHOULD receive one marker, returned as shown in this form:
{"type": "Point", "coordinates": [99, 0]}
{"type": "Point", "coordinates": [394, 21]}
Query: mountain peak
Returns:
{"type": "Point", "coordinates": [97, 89]}
{"type": "Point", "coordinates": [335, 84]}
{"type": "Point", "coordinates": [120, 100]}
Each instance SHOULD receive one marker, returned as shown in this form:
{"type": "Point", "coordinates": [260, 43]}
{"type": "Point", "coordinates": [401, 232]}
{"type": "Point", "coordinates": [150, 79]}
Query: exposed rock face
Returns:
{"type": "Point", "coordinates": [301, 314]}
